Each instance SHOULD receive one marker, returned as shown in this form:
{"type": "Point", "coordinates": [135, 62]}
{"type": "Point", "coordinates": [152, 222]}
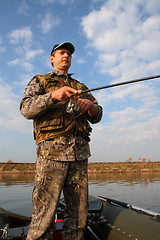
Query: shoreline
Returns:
{"type": "Point", "coordinates": [93, 168]}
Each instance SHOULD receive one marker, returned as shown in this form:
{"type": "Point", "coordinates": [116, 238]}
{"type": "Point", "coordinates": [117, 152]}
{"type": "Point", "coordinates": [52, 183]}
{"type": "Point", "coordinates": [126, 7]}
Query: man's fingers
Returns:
{"type": "Point", "coordinates": [70, 91]}
{"type": "Point", "coordinates": [63, 93]}
{"type": "Point", "coordinates": [83, 104]}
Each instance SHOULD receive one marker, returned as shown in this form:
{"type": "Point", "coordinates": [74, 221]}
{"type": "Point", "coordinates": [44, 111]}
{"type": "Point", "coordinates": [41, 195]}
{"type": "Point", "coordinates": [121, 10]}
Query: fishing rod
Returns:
{"type": "Point", "coordinates": [117, 84]}
{"type": "Point", "coordinates": [72, 108]}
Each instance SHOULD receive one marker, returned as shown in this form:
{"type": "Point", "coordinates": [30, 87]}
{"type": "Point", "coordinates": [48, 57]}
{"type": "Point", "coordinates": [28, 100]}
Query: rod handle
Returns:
{"type": "Point", "coordinates": [79, 92]}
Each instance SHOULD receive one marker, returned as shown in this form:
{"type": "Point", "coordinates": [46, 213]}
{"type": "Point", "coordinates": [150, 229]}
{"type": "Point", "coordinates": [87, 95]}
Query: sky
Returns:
{"type": "Point", "coordinates": [115, 41]}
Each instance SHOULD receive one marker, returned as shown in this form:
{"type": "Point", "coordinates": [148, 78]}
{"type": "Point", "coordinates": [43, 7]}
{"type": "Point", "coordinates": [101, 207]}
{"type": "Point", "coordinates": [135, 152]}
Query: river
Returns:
{"type": "Point", "coordinates": [139, 189]}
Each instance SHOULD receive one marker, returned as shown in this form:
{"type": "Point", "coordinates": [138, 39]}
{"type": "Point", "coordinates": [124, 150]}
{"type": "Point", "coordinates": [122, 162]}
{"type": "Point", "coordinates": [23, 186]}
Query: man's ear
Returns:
{"type": "Point", "coordinates": [51, 58]}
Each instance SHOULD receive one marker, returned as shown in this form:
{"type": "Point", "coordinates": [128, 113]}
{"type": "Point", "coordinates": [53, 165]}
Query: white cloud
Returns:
{"type": "Point", "coordinates": [62, 2]}
{"type": "Point", "coordinates": [23, 8]}
{"type": "Point", "coordinates": [10, 117]}
{"type": "Point", "coordinates": [27, 66]}
{"type": "Point", "coordinates": [81, 61]}
{"type": "Point", "coordinates": [149, 48]}
{"type": "Point", "coordinates": [2, 48]}
{"type": "Point", "coordinates": [14, 62]}
{"type": "Point", "coordinates": [49, 22]}
{"type": "Point", "coordinates": [129, 116]}
{"type": "Point", "coordinates": [126, 36]}
{"type": "Point", "coordinates": [153, 7]}
{"type": "Point", "coordinates": [154, 65]}
{"type": "Point", "coordinates": [25, 78]}
{"type": "Point", "coordinates": [22, 38]}
{"type": "Point", "coordinates": [125, 137]}
{"type": "Point", "coordinates": [139, 94]}
{"type": "Point", "coordinates": [31, 54]}
{"type": "Point", "coordinates": [21, 35]}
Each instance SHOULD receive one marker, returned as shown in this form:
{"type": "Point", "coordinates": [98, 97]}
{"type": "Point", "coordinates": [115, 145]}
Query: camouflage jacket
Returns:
{"type": "Point", "coordinates": [37, 103]}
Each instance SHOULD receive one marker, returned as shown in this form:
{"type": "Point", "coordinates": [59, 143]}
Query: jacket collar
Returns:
{"type": "Point", "coordinates": [57, 73]}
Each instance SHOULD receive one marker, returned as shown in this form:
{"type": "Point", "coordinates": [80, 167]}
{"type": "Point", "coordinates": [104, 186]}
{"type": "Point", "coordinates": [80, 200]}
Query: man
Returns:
{"type": "Point", "coordinates": [62, 136]}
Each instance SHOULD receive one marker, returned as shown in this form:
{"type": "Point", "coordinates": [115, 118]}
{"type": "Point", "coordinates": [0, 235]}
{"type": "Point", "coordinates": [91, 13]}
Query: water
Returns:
{"type": "Point", "coordinates": [142, 190]}
{"type": "Point", "coordinates": [16, 193]}
{"type": "Point", "coordinates": [139, 189]}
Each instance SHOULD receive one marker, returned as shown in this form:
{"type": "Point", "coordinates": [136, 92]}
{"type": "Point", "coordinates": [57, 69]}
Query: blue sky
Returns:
{"type": "Point", "coordinates": [115, 40]}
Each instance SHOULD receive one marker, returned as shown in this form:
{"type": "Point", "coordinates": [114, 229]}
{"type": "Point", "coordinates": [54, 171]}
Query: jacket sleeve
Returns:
{"type": "Point", "coordinates": [35, 101]}
{"type": "Point", "coordinates": [98, 116]}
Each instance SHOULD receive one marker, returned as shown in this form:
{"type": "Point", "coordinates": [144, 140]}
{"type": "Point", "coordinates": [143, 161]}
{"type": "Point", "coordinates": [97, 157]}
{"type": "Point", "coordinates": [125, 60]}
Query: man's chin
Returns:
{"type": "Point", "coordinates": [66, 66]}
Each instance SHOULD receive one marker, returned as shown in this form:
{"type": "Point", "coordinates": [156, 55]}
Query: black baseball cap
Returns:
{"type": "Point", "coordinates": [66, 45]}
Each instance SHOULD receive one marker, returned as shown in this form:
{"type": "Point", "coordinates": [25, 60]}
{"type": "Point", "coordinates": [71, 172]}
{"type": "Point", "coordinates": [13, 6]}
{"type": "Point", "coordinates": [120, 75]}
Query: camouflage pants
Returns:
{"type": "Point", "coordinates": [51, 178]}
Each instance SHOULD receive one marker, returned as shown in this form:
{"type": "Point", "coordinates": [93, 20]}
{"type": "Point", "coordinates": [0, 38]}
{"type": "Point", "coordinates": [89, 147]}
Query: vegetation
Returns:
{"type": "Point", "coordinates": [98, 167]}
{"type": "Point", "coordinates": [11, 167]}
{"type": "Point", "coordinates": [124, 167]}
{"type": "Point", "coordinates": [140, 159]}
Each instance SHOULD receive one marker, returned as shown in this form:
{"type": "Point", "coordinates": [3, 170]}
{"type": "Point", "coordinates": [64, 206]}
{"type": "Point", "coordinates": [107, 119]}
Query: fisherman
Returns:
{"type": "Point", "coordinates": [62, 134]}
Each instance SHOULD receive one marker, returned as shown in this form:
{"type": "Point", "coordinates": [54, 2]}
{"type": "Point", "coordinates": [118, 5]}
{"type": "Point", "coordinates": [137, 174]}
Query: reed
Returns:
{"type": "Point", "coordinates": [97, 167]}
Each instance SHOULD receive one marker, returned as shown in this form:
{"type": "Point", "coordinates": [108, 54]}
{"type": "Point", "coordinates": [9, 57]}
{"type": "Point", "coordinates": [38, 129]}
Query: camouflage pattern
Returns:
{"type": "Point", "coordinates": [65, 148]}
{"type": "Point", "coordinates": [54, 121]}
{"type": "Point", "coordinates": [61, 163]}
{"type": "Point", "coordinates": [51, 178]}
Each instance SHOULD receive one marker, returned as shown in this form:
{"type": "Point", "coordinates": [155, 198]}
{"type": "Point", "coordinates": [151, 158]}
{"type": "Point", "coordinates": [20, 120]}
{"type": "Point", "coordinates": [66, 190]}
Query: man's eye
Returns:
{"type": "Point", "coordinates": [62, 53]}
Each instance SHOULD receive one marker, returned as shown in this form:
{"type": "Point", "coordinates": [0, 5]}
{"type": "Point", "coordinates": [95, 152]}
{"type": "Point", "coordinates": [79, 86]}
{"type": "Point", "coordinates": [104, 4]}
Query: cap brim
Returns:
{"type": "Point", "coordinates": [66, 45]}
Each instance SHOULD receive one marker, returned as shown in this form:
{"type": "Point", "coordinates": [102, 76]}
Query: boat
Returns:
{"type": "Point", "coordinates": [108, 219]}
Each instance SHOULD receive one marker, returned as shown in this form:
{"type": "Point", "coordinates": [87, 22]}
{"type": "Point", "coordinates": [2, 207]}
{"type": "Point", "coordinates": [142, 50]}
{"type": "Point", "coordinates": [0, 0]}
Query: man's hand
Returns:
{"type": "Point", "coordinates": [63, 94]}
{"type": "Point", "coordinates": [87, 105]}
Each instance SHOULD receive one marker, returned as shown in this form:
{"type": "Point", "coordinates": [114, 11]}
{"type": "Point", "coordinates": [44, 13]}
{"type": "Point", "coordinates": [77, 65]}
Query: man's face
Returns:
{"type": "Point", "coordinates": [61, 60]}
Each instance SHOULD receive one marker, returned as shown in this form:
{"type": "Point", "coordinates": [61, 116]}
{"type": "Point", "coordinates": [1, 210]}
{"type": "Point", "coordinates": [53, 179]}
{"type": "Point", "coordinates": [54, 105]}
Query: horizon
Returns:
{"type": "Point", "coordinates": [115, 41]}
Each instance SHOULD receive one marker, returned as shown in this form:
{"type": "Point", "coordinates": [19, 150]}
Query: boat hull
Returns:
{"type": "Point", "coordinates": [125, 223]}
{"type": "Point", "coordinates": [106, 221]}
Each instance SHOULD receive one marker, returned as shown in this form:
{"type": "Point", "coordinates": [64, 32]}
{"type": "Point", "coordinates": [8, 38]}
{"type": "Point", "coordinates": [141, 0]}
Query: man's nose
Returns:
{"type": "Point", "coordinates": [66, 54]}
